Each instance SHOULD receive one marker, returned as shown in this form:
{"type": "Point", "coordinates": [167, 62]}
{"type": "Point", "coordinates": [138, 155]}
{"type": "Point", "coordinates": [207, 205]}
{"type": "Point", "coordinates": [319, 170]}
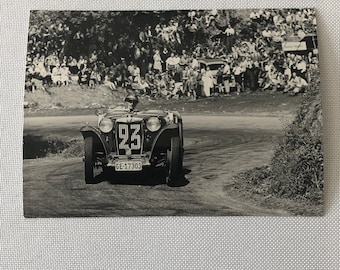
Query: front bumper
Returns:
{"type": "Point", "coordinates": [113, 160]}
{"type": "Point", "coordinates": [136, 162]}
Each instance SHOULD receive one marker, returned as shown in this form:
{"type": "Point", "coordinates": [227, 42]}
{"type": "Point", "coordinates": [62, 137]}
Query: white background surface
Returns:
{"type": "Point", "coordinates": [162, 242]}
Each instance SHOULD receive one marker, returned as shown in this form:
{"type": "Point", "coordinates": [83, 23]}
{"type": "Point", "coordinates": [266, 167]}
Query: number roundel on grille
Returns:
{"type": "Point", "coordinates": [129, 136]}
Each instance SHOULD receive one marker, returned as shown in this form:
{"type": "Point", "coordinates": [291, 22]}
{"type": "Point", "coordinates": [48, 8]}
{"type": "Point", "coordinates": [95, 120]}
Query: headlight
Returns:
{"type": "Point", "coordinates": [153, 124]}
{"type": "Point", "coordinates": [105, 125]}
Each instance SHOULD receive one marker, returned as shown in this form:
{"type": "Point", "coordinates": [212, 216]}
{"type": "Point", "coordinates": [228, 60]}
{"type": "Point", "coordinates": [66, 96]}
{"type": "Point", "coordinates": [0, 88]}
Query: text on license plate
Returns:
{"type": "Point", "coordinates": [128, 166]}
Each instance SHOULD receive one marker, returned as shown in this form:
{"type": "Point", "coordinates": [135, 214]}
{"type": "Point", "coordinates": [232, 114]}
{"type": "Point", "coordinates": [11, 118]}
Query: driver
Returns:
{"type": "Point", "coordinates": [131, 102]}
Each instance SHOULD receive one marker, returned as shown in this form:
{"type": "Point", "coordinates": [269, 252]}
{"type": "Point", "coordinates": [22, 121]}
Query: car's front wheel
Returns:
{"type": "Point", "coordinates": [173, 162]}
{"type": "Point", "coordinates": [89, 160]}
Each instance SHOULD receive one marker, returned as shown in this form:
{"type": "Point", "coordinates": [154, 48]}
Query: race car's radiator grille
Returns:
{"type": "Point", "coordinates": [129, 138]}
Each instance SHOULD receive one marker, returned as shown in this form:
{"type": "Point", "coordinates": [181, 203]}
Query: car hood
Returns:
{"type": "Point", "coordinates": [120, 113]}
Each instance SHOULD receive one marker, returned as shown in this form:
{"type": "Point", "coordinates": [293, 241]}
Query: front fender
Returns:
{"type": "Point", "coordinates": [163, 139]}
{"type": "Point", "coordinates": [99, 141]}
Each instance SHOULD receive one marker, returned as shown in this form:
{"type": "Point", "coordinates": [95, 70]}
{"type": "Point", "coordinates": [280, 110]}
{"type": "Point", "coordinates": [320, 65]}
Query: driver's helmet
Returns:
{"type": "Point", "coordinates": [132, 99]}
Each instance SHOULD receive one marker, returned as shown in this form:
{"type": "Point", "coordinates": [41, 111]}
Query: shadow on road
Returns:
{"type": "Point", "coordinates": [182, 181]}
{"type": "Point", "coordinates": [150, 177]}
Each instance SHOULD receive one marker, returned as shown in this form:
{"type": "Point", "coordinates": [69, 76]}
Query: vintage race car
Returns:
{"type": "Point", "coordinates": [129, 141]}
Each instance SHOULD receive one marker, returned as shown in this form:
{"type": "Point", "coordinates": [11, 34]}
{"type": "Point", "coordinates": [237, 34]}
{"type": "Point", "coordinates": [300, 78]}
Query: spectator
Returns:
{"type": "Point", "coordinates": [160, 86]}
{"type": "Point", "coordinates": [287, 72]}
{"type": "Point", "coordinates": [173, 90]}
{"type": "Point", "coordinates": [238, 74]}
{"type": "Point", "coordinates": [29, 85]}
{"type": "Point", "coordinates": [267, 35]}
{"type": "Point", "coordinates": [83, 78]}
{"type": "Point", "coordinates": [184, 59]}
{"type": "Point", "coordinates": [158, 29]}
{"type": "Point", "coordinates": [229, 31]}
{"type": "Point", "coordinates": [253, 15]}
{"type": "Point", "coordinates": [301, 67]}
{"type": "Point", "coordinates": [295, 85]}
{"type": "Point", "coordinates": [165, 54]}
{"type": "Point", "coordinates": [171, 62]}
{"type": "Point", "coordinates": [81, 62]}
{"type": "Point", "coordinates": [289, 20]}
{"type": "Point", "coordinates": [191, 15]}
{"type": "Point", "coordinates": [56, 75]}
{"type": "Point", "coordinates": [273, 78]}
{"type": "Point", "coordinates": [299, 19]}
{"type": "Point", "coordinates": [122, 73]}
{"type": "Point", "coordinates": [253, 75]}
{"type": "Point", "coordinates": [143, 62]}
{"type": "Point", "coordinates": [109, 81]}
{"type": "Point", "coordinates": [142, 86]}
{"type": "Point", "coordinates": [157, 62]}
{"type": "Point", "coordinates": [207, 82]}
{"type": "Point", "coordinates": [219, 80]}
{"type": "Point", "coordinates": [149, 79]}
{"type": "Point", "coordinates": [135, 71]}
{"type": "Point", "coordinates": [194, 62]}
{"type": "Point", "coordinates": [143, 35]}
{"type": "Point", "coordinates": [34, 79]}
{"type": "Point", "coordinates": [277, 19]}
{"type": "Point", "coordinates": [72, 65]}
{"type": "Point", "coordinates": [277, 36]}
{"type": "Point", "coordinates": [64, 75]}
{"type": "Point", "coordinates": [226, 78]}
{"type": "Point", "coordinates": [93, 57]}
{"type": "Point", "coordinates": [46, 77]}
{"type": "Point", "coordinates": [210, 16]}
{"type": "Point", "coordinates": [94, 77]}
{"type": "Point", "coordinates": [52, 60]}
{"type": "Point", "coordinates": [192, 83]}
{"type": "Point", "coordinates": [130, 68]}
{"type": "Point", "coordinates": [255, 43]}
{"type": "Point", "coordinates": [109, 59]}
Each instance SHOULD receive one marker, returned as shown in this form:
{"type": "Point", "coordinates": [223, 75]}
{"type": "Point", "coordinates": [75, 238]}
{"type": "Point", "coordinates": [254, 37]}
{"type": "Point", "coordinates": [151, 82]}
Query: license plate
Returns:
{"type": "Point", "coordinates": [128, 166]}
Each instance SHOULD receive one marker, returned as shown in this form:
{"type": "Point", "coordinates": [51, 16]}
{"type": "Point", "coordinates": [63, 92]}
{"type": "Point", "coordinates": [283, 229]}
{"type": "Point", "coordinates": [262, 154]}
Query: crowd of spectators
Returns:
{"type": "Point", "coordinates": [160, 63]}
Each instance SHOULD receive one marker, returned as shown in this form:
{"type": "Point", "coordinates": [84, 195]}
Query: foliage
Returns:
{"type": "Point", "coordinates": [296, 169]}
{"type": "Point", "coordinates": [38, 146]}
{"type": "Point", "coordinates": [298, 160]}
{"type": "Point", "coordinates": [105, 29]}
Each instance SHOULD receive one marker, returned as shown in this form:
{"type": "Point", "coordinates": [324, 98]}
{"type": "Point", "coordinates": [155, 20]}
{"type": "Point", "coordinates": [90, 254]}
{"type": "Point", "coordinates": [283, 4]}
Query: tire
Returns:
{"type": "Point", "coordinates": [89, 160]}
{"type": "Point", "coordinates": [173, 162]}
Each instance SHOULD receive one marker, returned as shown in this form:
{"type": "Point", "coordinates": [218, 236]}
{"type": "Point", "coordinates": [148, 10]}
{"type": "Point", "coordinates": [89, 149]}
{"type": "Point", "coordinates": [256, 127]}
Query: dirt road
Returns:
{"type": "Point", "coordinates": [216, 148]}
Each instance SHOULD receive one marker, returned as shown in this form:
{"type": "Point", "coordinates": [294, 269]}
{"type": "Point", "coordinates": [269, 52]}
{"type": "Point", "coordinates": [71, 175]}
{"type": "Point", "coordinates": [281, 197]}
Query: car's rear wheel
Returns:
{"type": "Point", "coordinates": [173, 162]}
{"type": "Point", "coordinates": [89, 160]}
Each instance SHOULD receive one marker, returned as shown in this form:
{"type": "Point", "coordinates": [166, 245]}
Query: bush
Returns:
{"type": "Point", "coordinates": [298, 160]}
{"type": "Point", "coordinates": [296, 169]}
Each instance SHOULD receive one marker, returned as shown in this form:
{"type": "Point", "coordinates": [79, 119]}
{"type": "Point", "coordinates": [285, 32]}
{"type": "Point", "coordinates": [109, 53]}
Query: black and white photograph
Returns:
{"type": "Point", "coordinates": [172, 113]}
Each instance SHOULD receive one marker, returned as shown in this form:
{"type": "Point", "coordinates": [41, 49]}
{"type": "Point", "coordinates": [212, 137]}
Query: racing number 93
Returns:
{"type": "Point", "coordinates": [127, 141]}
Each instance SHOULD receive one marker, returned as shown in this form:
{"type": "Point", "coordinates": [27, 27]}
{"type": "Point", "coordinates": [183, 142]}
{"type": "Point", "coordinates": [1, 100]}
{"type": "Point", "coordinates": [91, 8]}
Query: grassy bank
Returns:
{"type": "Point", "coordinates": [74, 100]}
{"type": "Point", "coordinates": [295, 172]}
